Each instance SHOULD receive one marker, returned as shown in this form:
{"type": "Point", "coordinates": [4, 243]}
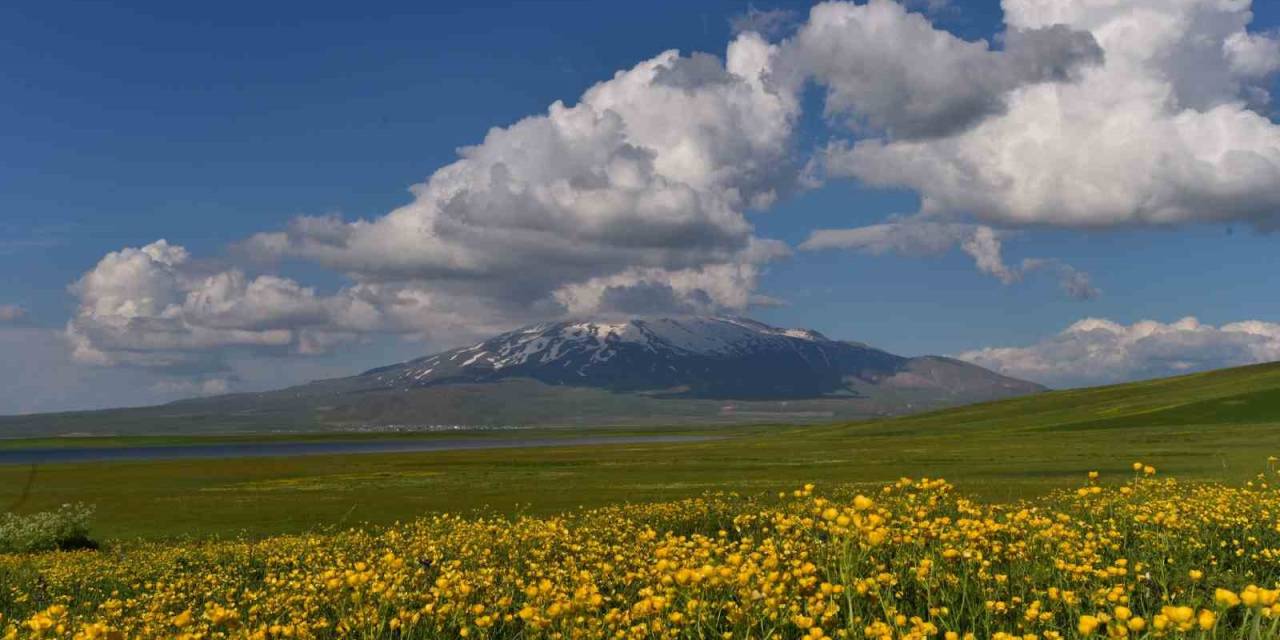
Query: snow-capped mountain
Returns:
{"type": "Point", "coordinates": [711, 357]}
{"type": "Point", "coordinates": [633, 371]}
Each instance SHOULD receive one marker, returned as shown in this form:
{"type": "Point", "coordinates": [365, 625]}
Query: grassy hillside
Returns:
{"type": "Point", "coordinates": [1218, 425]}
{"type": "Point", "coordinates": [319, 408]}
{"type": "Point", "coordinates": [1240, 395]}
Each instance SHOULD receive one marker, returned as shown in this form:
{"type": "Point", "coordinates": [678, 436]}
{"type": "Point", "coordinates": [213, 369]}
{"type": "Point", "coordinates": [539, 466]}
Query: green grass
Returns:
{"type": "Point", "coordinates": [539, 433]}
{"type": "Point", "coordinates": [1218, 425]}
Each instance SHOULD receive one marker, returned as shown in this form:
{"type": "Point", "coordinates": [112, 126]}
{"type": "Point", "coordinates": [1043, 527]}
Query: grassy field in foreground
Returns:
{"type": "Point", "coordinates": [1219, 425]}
{"type": "Point", "coordinates": [1129, 555]}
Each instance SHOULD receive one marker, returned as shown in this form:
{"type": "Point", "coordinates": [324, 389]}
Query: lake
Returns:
{"type": "Point", "coordinates": [285, 449]}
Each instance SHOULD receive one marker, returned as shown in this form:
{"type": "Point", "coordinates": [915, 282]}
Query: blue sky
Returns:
{"type": "Point", "coordinates": [207, 124]}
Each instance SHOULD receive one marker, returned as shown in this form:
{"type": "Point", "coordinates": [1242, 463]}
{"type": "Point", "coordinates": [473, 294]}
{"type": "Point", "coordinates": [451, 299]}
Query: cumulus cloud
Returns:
{"type": "Point", "coordinates": [770, 23]}
{"type": "Point", "coordinates": [700, 290]}
{"type": "Point", "coordinates": [1077, 284]}
{"type": "Point", "coordinates": [1252, 55]}
{"type": "Point", "coordinates": [1161, 131]}
{"type": "Point", "coordinates": [987, 250]}
{"type": "Point", "coordinates": [12, 313]}
{"type": "Point", "coordinates": [1098, 351]}
{"type": "Point", "coordinates": [1074, 283]}
{"type": "Point", "coordinates": [1081, 113]}
{"type": "Point", "coordinates": [154, 307]}
{"type": "Point", "coordinates": [920, 238]}
{"type": "Point", "coordinates": [651, 172]}
{"type": "Point", "coordinates": [984, 244]}
{"type": "Point", "coordinates": [908, 238]}
{"type": "Point", "coordinates": [42, 375]}
{"type": "Point", "coordinates": [634, 198]}
{"type": "Point", "coordinates": [891, 70]}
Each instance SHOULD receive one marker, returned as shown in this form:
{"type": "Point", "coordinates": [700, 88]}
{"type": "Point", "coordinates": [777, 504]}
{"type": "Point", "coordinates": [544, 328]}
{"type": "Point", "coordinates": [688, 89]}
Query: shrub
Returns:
{"type": "Point", "coordinates": [64, 529]}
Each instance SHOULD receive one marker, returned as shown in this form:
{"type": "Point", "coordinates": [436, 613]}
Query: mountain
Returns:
{"type": "Point", "coordinates": [692, 357]}
{"type": "Point", "coordinates": [675, 370]}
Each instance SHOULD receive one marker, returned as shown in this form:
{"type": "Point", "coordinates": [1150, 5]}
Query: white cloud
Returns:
{"type": "Point", "coordinates": [42, 375]}
{"type": "Point", "coordinates": [633, 198]}
{"type": "Point", "coordinates": [770, 23]}
{"type": "Point", "coordinates": [1098, 351]}
{"type": "Point", "coordinates": [885, 67]}
{"type": "Point", "coordinates": [705, 289]}
{"type": "Point", "coordinates": [908, 238]}
{"type": "Point", "coordinates": [914, 237]}
{"type": "Point", "coordinates": [1083, 113]}
{"type": "Point", "coordinates": [1078, 284]}
{"type": "Point", "coordinates": [1251, 55]}
{"type": "Point", "coordinates": [918, 238]}
{"type": "Point", "coordinates": [1160, 133]}
{"type": "Point", "coordinates": [986, 249]}
{"type": "Point", "coordinates": [153, 307]}
{"type": "Point", "coordinates": [1074, 283]}
{"type": "Point", "coordinates": [12, 313]}
{"type": "Point", "coordinates": [650, 172]}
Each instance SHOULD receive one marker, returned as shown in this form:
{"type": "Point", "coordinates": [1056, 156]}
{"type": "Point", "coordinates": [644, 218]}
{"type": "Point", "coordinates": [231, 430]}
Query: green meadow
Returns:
{"type": "Point", "coordinates": [1219, 425]}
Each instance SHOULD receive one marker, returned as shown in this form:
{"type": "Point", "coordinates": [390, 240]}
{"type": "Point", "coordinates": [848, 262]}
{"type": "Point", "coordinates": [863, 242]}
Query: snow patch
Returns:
{"type": "Point", "coordinates": [586, 344]}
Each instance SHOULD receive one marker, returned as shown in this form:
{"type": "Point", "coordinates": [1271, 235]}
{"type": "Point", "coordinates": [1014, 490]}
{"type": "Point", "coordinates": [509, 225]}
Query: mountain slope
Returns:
{"type": "Point", "coordinates": [636, 371]}
{"type": "Point", "coordinates": [700, 357]}
{"type": "Point", "coordinates": [1247, 395]}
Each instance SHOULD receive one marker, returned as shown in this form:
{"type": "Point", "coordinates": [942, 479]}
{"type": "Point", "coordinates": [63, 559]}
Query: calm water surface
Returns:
{"type": "Point", "coordinates": [276, 449]}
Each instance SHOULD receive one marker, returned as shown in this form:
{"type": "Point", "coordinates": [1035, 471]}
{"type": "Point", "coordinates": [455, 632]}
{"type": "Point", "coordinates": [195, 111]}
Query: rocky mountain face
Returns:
{"type": "Point", "coordinates": [694, 357]}
{"type": "Point", "coordinates": [633, 371]}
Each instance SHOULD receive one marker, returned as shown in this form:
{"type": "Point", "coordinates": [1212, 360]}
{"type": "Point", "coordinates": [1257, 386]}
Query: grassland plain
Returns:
{"type": "Point", "coordinates": [1210, 426]}
{"type": "Point", "coordinates": [1132, 556]}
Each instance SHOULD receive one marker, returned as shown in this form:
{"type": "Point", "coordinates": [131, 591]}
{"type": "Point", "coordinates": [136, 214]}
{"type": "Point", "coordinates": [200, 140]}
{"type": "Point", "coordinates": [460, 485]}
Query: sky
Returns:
{"type": "Point", "coordinates": [198, 199]}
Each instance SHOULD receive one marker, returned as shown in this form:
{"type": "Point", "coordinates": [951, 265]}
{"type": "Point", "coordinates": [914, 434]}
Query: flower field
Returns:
{"type": "Point", "coordinates": [1133, 557]}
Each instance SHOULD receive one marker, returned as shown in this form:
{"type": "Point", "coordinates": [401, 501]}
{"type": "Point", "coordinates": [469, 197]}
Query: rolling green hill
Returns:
{"type": "Point", "coordinates": [1218, 425]}
{"type": "Point", "coordinates": [1240, 395]}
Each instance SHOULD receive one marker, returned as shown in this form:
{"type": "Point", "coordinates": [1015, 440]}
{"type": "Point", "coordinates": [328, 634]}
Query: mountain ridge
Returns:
{"type": "Point", "coordinates": [725, 357]}
{"type": "Point", "coordinates": [615, 371]}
